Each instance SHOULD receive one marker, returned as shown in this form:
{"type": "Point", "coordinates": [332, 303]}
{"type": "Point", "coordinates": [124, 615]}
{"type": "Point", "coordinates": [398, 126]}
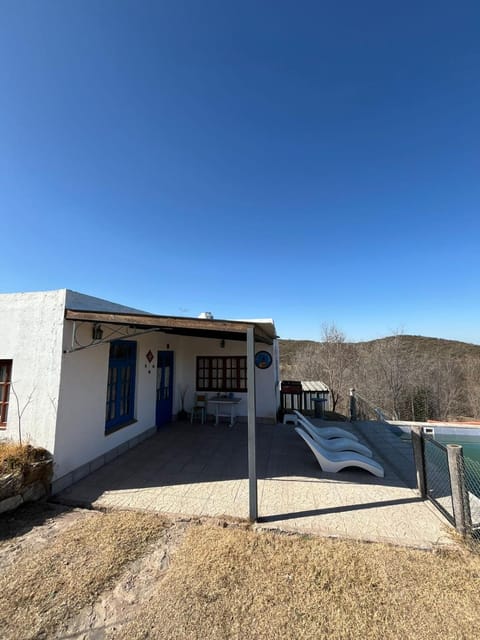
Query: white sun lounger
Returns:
{"type": "Point", "coordinates": [333, 462]}
{"type": "Point", "coordinates": [337, 444]}
{"type": "Point", "coordinates": [325, 432]}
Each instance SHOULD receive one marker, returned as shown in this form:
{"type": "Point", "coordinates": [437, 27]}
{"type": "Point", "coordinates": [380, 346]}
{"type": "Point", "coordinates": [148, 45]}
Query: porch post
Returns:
{"type": "Point", "coordinates": [252, 454]}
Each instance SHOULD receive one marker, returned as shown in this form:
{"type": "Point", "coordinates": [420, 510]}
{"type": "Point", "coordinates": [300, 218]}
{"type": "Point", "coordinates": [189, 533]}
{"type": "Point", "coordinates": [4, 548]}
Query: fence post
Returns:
{"type": "Point", "coordinates": [460, 499]}
{"type": "Point", "coordinates": [419, 457]}
{"type": "Point", "coordinates": [353, 406]}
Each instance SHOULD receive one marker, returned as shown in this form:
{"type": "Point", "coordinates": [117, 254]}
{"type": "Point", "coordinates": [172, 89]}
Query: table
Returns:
{"type": "Point", "coordinates": [222, 405]}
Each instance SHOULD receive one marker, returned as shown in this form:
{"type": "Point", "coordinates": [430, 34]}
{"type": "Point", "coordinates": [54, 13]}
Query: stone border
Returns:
{"type": "Point", "coordinates": [32, 491]}
{"type": "Point", "coordinates": [89, 467]}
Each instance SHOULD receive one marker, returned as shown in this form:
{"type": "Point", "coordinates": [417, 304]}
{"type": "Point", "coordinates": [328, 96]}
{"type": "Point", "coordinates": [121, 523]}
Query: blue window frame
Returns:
{"type": "Point", "coordinates": [121, 385]}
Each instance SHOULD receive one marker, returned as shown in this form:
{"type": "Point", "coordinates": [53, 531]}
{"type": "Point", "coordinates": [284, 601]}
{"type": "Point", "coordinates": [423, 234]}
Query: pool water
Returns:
{"type": "Point", "coordinates": [470, 444]}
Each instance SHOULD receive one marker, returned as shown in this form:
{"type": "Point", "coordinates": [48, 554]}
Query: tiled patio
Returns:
{"type": "Point", "coordinates": [202, 470]}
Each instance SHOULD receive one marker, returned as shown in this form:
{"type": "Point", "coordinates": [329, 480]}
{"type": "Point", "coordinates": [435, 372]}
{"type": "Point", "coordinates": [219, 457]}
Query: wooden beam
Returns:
{"type": "Point", "coordinates": [157, 321]}
{"type": "Point", "coordinates": [169, 322]}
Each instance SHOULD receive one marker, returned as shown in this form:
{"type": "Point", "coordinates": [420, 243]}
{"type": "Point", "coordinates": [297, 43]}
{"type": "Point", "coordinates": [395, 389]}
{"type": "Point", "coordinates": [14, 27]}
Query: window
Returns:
{"type": "Point", "coordinates": [5, 380]}
{"type": "Point", "coordinates": [222, 373]}
{"type": "Point", "coordinates": [121, 385]}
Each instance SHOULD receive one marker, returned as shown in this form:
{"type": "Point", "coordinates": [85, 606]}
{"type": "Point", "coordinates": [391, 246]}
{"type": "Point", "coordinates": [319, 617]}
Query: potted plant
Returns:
{"type": "Point", "coordinates": [182, 414]}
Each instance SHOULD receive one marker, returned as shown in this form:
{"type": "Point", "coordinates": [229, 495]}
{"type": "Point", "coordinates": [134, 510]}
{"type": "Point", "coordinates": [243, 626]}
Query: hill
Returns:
{"type": "Point", "coordinates": [410, 344]}
{"type": "Point", "coordinates": [411, 377]}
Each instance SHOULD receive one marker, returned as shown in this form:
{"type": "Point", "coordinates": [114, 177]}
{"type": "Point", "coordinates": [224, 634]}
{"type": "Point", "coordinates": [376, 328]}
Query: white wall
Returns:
{"type": "Point", "coordinates": [31, 329]}
{"type": "Point", "coordinates": [81, 410]}
{"type": "Point", "coordinates": [187, 350]}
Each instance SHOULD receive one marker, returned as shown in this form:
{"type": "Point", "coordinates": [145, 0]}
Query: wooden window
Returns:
{"type": "Point", "coordinates": [121, 385]}
{"type": "Point", "coordinates": [5, 381]}
{"type": "Point", "coordinates": [215, 373]}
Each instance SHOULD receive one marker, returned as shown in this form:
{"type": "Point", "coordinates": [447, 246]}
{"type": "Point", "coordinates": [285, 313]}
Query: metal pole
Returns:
{"type": "Point", "coordinates": [252, 454]}
{"type": "Point", "coordinates": [353, 406]}
{"type": "Point", "coordinates": [418, 456]}
{"type": "Point", "coordinates": [460, 499]}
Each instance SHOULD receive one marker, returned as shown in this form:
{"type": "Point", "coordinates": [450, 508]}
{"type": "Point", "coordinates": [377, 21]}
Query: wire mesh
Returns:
{"type": "Point", "coordinates": [437, 476]}
{"type": "Point", "coordinates": [471, 472]}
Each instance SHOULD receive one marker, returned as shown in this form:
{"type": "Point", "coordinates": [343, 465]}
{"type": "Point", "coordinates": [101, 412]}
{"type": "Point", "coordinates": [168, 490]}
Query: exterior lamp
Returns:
{"type": "Point", "coordinates": [97, 332]}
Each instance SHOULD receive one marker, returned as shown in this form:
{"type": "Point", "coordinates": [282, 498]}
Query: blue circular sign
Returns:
{"type": "Point", "coordinates": [263, 359]}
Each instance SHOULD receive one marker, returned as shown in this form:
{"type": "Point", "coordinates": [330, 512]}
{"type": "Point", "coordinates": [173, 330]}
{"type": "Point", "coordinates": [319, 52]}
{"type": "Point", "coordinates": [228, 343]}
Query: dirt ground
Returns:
{"type": "Point", "coordinates": [73, 573]}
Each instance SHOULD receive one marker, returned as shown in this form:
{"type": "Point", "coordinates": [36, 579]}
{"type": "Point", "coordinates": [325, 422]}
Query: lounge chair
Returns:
{"type": "Point", "coordinates": [325, 432]}
{"type": "Point", "coordinates": [333, 462]}
{"type": "Point", "coordinates": [337, 444]}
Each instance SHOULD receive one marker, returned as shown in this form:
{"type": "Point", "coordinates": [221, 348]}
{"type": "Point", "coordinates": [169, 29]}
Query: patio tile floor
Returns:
{"type": "Point", "coordinates": [201, 470]}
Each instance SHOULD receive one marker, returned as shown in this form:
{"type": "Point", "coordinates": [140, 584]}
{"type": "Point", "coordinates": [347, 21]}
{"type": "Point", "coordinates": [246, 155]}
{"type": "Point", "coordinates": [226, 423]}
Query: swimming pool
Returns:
{"type": "Point", "coordinates": [469, 439]}
{"type": "Point", "coordinates": [470, 444]}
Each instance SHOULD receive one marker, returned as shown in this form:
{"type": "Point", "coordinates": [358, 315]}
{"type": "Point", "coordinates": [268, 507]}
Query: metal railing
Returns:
{"type": "Point", "coordinates": [366, 410]}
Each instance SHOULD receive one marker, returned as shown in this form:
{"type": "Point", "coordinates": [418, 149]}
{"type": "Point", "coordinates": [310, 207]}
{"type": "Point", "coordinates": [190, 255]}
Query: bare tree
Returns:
{"type": "Point", "coordinates": [305, 363]}
{"type": "Point", "coordinates": [382, 374]}
{"type": "Point", "coordinates": [330, 361]}
{"type": "Point", "coordinates": [447, 387]}
{"type": "Point", "coordinates": [21, 410]}
{"type": "Point", "coordinates": [472, 385]}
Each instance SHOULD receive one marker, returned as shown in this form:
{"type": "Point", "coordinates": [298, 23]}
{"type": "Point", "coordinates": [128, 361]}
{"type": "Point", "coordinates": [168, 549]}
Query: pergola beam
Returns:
{"type": "Point", "coordinates": [231, 328]}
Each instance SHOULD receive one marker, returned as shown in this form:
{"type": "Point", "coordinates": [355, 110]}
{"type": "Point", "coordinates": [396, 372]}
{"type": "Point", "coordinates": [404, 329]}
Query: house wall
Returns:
{"type": "Point", "coordinates": [81, 435]}
{"type": "Point", "coordinates": [266, 380]}
{"type": "Point", "coordinates": [31, 331]}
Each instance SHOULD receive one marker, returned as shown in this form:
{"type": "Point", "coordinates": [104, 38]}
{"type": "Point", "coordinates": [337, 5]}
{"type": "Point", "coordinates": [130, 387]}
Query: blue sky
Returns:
{"type": "Point", "coordinates": [311, 162]}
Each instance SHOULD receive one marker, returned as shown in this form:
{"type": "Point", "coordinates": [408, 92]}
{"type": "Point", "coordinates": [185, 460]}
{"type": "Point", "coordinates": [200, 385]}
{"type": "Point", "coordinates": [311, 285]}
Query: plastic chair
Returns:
{"type": "Point", "coordinates": [199, 409]}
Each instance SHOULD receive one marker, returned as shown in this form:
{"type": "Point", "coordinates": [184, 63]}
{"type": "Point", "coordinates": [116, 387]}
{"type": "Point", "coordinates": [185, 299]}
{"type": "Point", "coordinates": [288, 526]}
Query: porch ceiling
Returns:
{"type": "Point", "coordinates": [198, 327]}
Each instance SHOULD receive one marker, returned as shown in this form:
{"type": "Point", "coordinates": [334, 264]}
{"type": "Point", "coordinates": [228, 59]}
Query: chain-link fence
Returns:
{"type": "Point", "coordinates": [450, 480]}
{"type": "Point", "coordinates": [437, 476]}
{"type": "Point", "coordinates": [471, 472]}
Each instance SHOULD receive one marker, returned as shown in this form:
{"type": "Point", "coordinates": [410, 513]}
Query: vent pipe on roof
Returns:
{"type": "Point", "coordinates": [206, 315]}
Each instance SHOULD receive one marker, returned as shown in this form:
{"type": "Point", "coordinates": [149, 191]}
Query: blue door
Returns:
{"type": "Point", "coordinates": [164, 387]}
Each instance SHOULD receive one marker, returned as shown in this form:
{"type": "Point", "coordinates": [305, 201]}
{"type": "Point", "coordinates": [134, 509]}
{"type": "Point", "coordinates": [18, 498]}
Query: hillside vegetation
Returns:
{"type": "Point", "coordinates": [410, 377]}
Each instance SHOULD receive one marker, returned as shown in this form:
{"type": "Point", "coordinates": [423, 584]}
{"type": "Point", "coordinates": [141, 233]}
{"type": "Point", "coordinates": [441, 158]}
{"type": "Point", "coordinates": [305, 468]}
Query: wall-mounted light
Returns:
{"type": "Point", "coordinates": [97, 332]}
{"type": "Point", "coordinates": [222, 344]}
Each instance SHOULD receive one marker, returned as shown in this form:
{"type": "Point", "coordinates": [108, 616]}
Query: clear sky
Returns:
{"type": "Point", "coordinates": [306, 161]}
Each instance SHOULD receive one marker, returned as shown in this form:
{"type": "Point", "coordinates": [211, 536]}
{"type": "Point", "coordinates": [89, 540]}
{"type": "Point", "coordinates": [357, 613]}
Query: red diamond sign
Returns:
{"type": "Point", "coordinates": [149, 356]}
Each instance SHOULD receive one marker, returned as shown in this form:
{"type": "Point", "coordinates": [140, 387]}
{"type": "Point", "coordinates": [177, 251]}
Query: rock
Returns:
{"type": "Point", "coordinates": [10, 503]}
{"type": "Point", "coordinates": [10, 484]}
{"type": "Point", "coordinates": [38, 471]}
{"type": "Point", "coordinates": [34, 492]}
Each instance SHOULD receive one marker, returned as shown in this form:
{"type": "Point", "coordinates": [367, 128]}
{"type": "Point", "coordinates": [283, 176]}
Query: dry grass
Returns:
{"type": "Point", "coordinates": [15, 456]}
{"type": "Point", "coordinates": [226, 584]}
{"type": "Point", "coordinates": [46, 587]}
{"type": "Point", "coordinates": [232, 583]}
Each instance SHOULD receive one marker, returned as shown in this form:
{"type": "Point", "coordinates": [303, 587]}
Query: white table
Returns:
{"type": "Point", "coordinates": [222, 405]}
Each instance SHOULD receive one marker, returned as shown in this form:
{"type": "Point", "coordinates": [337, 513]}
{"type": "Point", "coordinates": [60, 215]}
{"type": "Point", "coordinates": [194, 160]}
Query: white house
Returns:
{"type": "Point", "coordinates": [87, 379]}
